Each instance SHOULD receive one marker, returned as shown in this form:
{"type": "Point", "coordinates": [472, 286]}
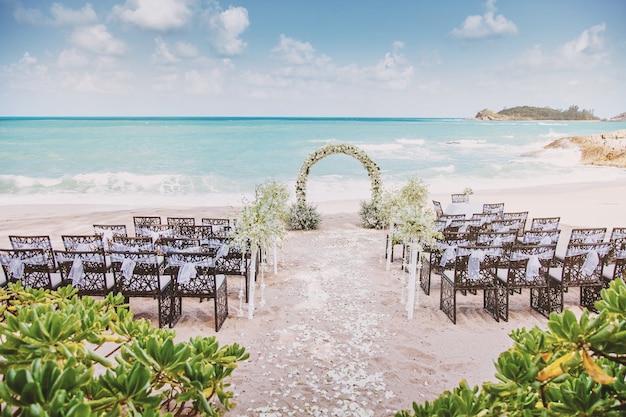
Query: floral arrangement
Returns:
{"type": "Point", "coordinates": [372, 169]}
{"type": "Point", "coordinates": [262, 221]}
{"type": "Point", "coordinates": [407, 209]}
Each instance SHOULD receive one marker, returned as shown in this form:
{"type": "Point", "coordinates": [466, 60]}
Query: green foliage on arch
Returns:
{"type": "Point", "coordinates": [372, 169]}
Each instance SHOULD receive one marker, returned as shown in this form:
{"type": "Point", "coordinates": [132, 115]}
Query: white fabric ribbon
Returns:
{"type": "Point", "coordinates": [591, 262]}
{"type": "Point", "coordinates": [186, 272]}
{"type": "Point", "coordinates": [532, 267]}
{"type": "Point", "coordinates": [473, 264]}
{"type": "Point", "coordinates": [448, 255]}
{"type": "Point", "coordinates": [127, 268]}
{"type": "Point", "coordinates": [16, 266]}
{"type": "Point", "coordinates": [545, 241]}
{"type": "Point", "coordinates": [107, 238]}
{"type": "Point", "coordinates": [77, 272]}
{"type": "Point", "coordinates": [222, 251]}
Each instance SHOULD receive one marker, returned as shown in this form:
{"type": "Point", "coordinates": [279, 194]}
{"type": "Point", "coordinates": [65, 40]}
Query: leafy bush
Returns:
{"type": "Point", "coordinates": [304, 217]}
{"type": "Point", "coordinates": [50, 366]}
{"type": "Point", "coordinates": [576, 367]}
{"type": "Point", "coordinates": [370, 216]}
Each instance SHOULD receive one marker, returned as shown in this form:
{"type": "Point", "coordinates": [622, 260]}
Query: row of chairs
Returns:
{"type": "Point", "coordinates": [501, 264]}
{"type": "Point", "coordinates": [167, 268]}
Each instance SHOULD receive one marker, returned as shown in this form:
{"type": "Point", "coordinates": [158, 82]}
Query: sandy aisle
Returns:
{"type": "Point", "coordinates": [332, 337]}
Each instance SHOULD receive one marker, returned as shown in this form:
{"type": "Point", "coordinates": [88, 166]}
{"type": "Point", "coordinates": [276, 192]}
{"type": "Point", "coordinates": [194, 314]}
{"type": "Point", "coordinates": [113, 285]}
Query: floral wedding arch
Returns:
{"type": "Point", "coordinates": [372, 169]}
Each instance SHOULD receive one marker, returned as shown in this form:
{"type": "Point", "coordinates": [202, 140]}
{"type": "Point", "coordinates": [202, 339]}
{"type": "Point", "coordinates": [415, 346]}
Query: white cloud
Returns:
{"type": "Point", "coordinates": [71, 58]}
{"type": "Point", "coordinates": [161, 15]}
{"type": "Point", "coordinates": [227, 27]}
{"type": "Point", "coordinates": [59, 16]}
{"type": "Point", "coordinates": [294, 52]}
{"type": "Point", "coordinates": [98, 40]}
{"type": "Point", "coordinates": [589, 45]}
{"type": "Point", "coordinates": [186, 50]}
{"type": "Point", "coordinates": [208, 82]}
{"type": "Point", "coordinates": [69, 17]}
{"type": "Point", "coordinates": [27, 75]}
{"type": "Point", "coordinates": [587, 51]}
{"type": "Point", "coordinates": [487, 25]}
{"type": "Point", "coordinates": [162, 54]}
{"type": "Point", "coordinates": [30, 16]}
{"type": "Point", "coordinates": [394, 69]}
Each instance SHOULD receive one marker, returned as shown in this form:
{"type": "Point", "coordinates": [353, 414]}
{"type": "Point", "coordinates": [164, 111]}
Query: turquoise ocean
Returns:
{"type": "Point", "coordinates": [215, 161]}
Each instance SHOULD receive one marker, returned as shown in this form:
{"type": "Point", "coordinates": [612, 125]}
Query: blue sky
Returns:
{"type": "Point", "coordinates": [413, 58]}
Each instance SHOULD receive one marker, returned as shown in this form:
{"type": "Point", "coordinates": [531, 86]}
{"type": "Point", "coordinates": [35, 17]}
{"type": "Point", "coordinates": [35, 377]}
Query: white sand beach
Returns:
{"type": "Point", "coordinates": [330, 334]}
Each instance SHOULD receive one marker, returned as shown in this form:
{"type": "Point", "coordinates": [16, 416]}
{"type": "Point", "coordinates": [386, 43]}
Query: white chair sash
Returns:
{"type": "Point", "coordinates": [107, 238]}
{"type": "Point", "coordinates": [127, 268]}
{"type": "Point", "coordinates": [186, 272]}
{"type": "Point", "coordinates": [77, 272]}
{"type": "Point", "coordinates": [534, 264]}
{"type": "Point", "coordinates": [448, 254]}
{"type": "Point", "coordinates": [591, 262]}
{"type": "Point", "coordinates": [16, 266]}
{"type": "Point", "coordinates": [473, 264]}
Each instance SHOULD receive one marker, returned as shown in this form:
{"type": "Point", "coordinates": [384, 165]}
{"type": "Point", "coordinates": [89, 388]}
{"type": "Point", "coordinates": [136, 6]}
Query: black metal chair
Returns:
{"type": "Point", "coordinates": [108, 231]}
{"type": "Point", "coordinates": [87, 271]}
{"type": "Point", "coordinates": [30, 267]}
{"type": "Point", "coordinates": [36, 242]}
{"type": "Point", "coordinates": [140, 274]}
{"type": "Point", "coordinates": [475, 269]}
{"type": "Point", "coordinates": [528, 268]}
{"type": "Point", "coordinates": [582, 267]}
{"type": "Point", "coordinates": [193, 275]}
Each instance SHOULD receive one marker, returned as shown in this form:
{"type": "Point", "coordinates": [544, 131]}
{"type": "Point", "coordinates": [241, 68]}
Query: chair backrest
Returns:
{"type": "Point", "coordinates": [36, 242]}
{"type": "Point", "coordinates": [476, 267]}
{"type": "Point", "coordinates": [588, 235]}
{"type": "Point", "coordinates": [201, 232]}
{"type": "Point", "coordinates": [541, 237]}
{"type": "Point", "coordinates": [155, 231]}
{"type": "Point", "coordinates": [83, 243]}
{"type": "Point", "coordinates": [180, 244]}
{"type": "Point", "coordinates": [211, 221]}
{"type": "Point", "coordinates": [138, 273]}
{"type": "Point", "coordinates": [203, 283]}
{"type": "Point", "coordinates": [85, 270]}
{"type": "Point", "coordinates": [618, 234]}
{"type": "Point", "coordinates": [108, 231]}
{"type": "Point", "coordinates": [132, 243]}
{"type": "Point", "coordinates": [29, 266]}
{"type": "Point", "coordinates": [511, 225]}
{"type": "Point", "coordinates": [522, 216]}
{"type": "Point", "coordinates": [522, 272]}
{"type": "Point", "coordinates": [139, 221]}
{"type": "Point", "coordinates": [460, 198]}
{"type": "Point", "coordinates": [489, 238]}
{"type": "Point", "coordinates": [181, 221]}
{"type": "Point", "coordinates": [582, 264]}
{"type": "Point", "coordinates": [221, 226]}
{"type": "Point", "coordinates": [545, 223]}
{"type": "Point", "coordinates": [493, 208]}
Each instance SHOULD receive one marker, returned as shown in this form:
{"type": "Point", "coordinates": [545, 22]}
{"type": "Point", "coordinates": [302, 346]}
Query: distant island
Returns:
{"type": "Point", "coordinates": [536, 113]}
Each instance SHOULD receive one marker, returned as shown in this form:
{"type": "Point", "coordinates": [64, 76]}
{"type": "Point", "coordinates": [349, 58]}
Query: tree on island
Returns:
{"type": "Point", "coordinates": [537, 113]}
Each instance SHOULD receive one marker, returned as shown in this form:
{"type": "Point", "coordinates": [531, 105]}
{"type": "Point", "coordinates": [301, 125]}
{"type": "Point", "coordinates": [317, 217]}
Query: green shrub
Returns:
{"type": "Point", "coordinates": [303, 217]}
{"type": "Point", "coordinates": [370, 216]}
{"type": "Point", "coordinates": [576, 367]}
{"type": "Point", "coordinates": [50, 365]}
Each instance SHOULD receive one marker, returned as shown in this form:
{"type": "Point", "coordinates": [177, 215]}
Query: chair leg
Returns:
{"type": "Point", "coordinates": [491, 302]}
{"type": "Point", "coordinates": [447, 300]}
{"type": "Point", "coordinates": [221, 306]}
{"type": "Point", "coordinates": [425, 277]}
{"type": "Point", "coordinates": [589, 296]}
